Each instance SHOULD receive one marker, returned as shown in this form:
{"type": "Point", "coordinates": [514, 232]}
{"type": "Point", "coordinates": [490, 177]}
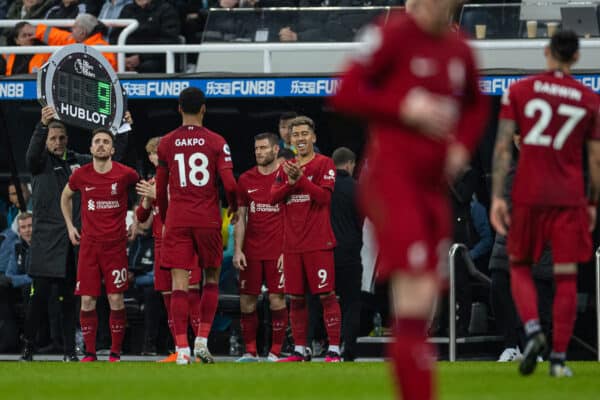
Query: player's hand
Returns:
{"type": "Point", "coordinates": [280, 264]}
{"type": "Point", "coordinates": [499, 216]}
{"type": "Point", "coordinates": [132, 232]}
{"type": "Point", "coordinates": [239, 260]}
{"type": "Point", "coordinates": [457, 158]}
{"type": "Point", "coordinates": [434, 115]}
{"type": "Point", "coordinates": [592, 213]}
{"type": "Point", "coordinates": [146, 189]}
{"type": "Point", "coordinates": [128, 118]}
{"type": "Point", "coordinates": [74, 236]}
{"type": "Point", "coordinates": [48, 114]}
{"type": "Point", "coordinates": [293, 171]}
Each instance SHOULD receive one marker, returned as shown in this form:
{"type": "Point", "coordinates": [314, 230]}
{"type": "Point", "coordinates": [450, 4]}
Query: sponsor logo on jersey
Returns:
{"type": "Point", "coordinates": [330, 175]}
{"type": "Point", "coordinates": [298, 198]}
{"type": "Point", "coordinates": [91, 205]}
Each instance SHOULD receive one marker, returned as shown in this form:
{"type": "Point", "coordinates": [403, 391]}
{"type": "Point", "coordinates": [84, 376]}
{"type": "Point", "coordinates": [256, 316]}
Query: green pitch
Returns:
{"type": "Point", "coordinates": [147, 381]}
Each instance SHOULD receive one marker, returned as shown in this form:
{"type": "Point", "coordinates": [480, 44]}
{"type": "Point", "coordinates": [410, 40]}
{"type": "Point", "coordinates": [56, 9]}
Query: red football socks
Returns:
{"type": "Point", "coordinates": [118, 322]}
{"type": "Point", "coordinates": [249, 324]}
{"type": "Point", "coordinates": [208, 308]}
{"type": "Point", "coordinates": [525, 297]}
{"type": "Point", "coordinates": [333, 318]}
{"type": "Point", "coordinates": [299, 320]}
{"type": "Point", "coordinates": [279, 321]}
{"type": "Point", "coordinates": [167, 301]}
{"type": "Point", "coordinates": [194, 304]}
{"type": "Point", "coordinates": [89, 326]}
{"type": "Point", "coordinates": [413, 360]}
{"type": "Point", "coordinates": [180, 313]}
{"type": "Point", "coordinates": [564, 311]}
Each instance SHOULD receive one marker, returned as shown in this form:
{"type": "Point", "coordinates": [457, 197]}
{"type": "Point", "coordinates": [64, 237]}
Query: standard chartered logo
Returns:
{"type": "Point", "coordinates": [91, 205]}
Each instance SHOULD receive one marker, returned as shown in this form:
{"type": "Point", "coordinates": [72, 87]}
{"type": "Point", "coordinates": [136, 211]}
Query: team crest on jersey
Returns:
{"type": "Point", "coordinates": [113, 189]}
{"type": "Point", "coordinates": [417, 255]}
{"type": "Point", "coordinates": [423, 67]}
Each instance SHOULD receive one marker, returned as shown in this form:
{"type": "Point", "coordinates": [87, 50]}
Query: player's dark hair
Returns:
{"type": "Point", "coordinates": [342, 155]}
{"type": "Point", "coordinates": [285, 153]}
{"type": "Point", "coordinates": [271, 137]}
{"type": "Point", "coordinates": [288, 115]}
{"type": "Point", "coordinates": [191, 100]}
{"type": "Point", "coordinates": [302, 120]}
{"type": "Point", "coordinates": [564, 45]}
{"type": "Point", "coordinates": [98, 131]}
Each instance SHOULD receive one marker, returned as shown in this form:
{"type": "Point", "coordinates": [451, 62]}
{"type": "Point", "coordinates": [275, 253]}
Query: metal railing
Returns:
{"type": "Point", "coordinates": [267, 49]}
{"type": "Point", "coordinates": [130, 25]}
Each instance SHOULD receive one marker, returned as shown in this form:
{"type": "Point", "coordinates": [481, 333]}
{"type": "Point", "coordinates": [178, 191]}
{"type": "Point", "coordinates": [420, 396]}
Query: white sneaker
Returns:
{"type": "Point", "coordinates": [510, 354]}
{"type": "Point", "coordinates": [272, 358]}
{"type": "Point", "coordinates": [247, 357]}
{"type": "Point", "coordinates": [201, 352]}
{"type": "Point", "coordinates": [183, 356]}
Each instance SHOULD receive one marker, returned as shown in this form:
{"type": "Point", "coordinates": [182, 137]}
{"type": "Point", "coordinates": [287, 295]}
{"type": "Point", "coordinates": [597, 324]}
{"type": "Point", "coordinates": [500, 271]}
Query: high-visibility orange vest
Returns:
{"type": "Point", "coordinates": [35, 63]}
{"type": "Point", "coordinates": [59, 37]}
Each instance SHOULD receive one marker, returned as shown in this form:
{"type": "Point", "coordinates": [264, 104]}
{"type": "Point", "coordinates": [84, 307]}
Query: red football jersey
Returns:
{"type": "Point", "coordinates": [395, 59]}
{"type": "Point", "coordinates": [103, 200]}
{"type": "Point", "coordinates": [193, 156]}
{"type": "Point", "coordinates": [307, 225]}
{"type": "Point", "coordinates": [555, 115]}
{"type": "Point", "coordinates": [264, 229]}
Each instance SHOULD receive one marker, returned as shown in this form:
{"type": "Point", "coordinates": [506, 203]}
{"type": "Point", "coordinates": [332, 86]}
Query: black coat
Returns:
{"type": "Point", "coordinates": [346, 222]}
{"type": "Point", "coordinates": [50, 244]}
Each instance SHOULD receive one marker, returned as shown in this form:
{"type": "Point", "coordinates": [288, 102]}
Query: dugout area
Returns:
{"type": "Point", "coordinates": [238, 119]}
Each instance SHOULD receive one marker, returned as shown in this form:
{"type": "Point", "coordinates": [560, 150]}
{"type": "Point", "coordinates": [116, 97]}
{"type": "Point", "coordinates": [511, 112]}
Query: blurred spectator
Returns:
{"type": "Point", "coordinates": [111, 9]}
{"type": "Point", "coordinates": [8, 237]}
{"type": "Point", "coordinates": [87, 30]}
{"type": "Point", "coordinates": [19, 259]}
{"type": "Point", "coordinates": [13, 208]}
{"type": "Point", "coordinates": [66, 9]}
{"type": "Point", "coordinates": [3, 8]}
{"type": "Point", "coordinates": [331, 25]}
{"type": "Point", "coordinates": [284, 130]}
{"type": "Point", "coordinates": [159, 24]}
{"type": "Point", "coordinates": [23, 34]}
{"type": "Point", "coordinates": [480, 251]}
{"type": "Point", "coordinates": [346, 223]}
{"type": "Point", "coordinates": [29, 9]}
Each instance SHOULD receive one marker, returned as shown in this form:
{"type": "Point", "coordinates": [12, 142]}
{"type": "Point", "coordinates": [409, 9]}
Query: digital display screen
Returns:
{"type": "Point", "coordinates": [91, 94]}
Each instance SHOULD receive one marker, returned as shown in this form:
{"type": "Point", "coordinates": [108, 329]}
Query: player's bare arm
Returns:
{"type": "Point", "coordinates": [239, 233]}
{"type": "Point", "coordinates": [594, 171]}
{"type": "Point", "coordinates": [499, 215]}
{"type": "Point", "coordinates": [66, 205]}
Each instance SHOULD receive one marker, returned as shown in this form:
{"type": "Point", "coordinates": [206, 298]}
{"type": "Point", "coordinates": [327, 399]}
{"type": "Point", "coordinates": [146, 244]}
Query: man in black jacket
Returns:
{"type": "Point", "coordinates": [53, 258]}
{"type": "Point", "coordinates": [347, 227]}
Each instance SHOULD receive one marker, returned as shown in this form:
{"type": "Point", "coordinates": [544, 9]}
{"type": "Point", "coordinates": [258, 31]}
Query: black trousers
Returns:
{"type": "Point", "coordinates": [348, 280]}
{"type": "Point", "coordinates": [42, 290]}
{"type": "Point", "coordinates": [505, 311]}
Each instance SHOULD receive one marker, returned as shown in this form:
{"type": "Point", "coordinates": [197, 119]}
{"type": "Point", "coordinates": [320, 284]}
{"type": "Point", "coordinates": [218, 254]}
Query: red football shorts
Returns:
{"type": "Point", "coordinates": [162, 276]}
{"type": "Point", "coordinates": [412, 227]}
{"type": "Point", "coordinates": [315, 268]}
{"type": "Point", "coordinates": [181, 245]}
{"type": "Point", "coordinates": [101, 261]}
{"type": "Point", "coordinates": [257, 272]}
{"type": "Point", "coordinates": [565, 229]}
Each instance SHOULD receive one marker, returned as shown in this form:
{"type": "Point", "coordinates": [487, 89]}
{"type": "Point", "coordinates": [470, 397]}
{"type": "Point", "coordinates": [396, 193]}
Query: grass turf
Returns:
{"type": "Point", "coordinates": [146, 381]}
